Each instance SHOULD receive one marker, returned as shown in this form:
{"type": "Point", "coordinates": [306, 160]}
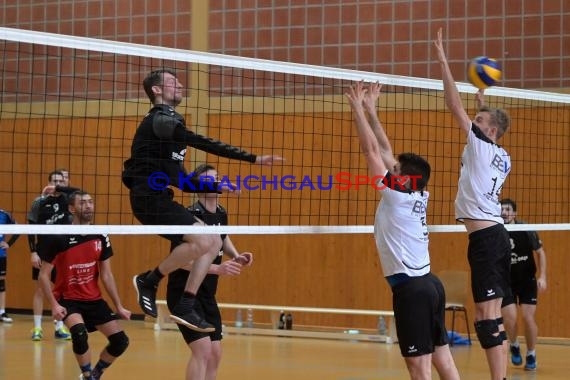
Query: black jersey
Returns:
{"type": "Point", "coordinates": [50, 210]}
{"type": "Point", "coordinates": [523, 245]}
{"type": "Point", "coordinates": [160, 145]}
{"type": "Point", "coordinates": [177, 279]}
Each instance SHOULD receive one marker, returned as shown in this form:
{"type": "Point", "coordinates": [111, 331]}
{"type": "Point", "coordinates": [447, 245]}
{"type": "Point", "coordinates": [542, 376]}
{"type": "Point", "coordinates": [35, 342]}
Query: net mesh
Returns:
{"type": "Point", "coordinates": [76, 102]}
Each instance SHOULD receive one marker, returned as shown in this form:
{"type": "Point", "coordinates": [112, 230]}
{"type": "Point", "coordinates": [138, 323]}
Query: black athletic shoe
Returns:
{"type": "Point", "coordinates": [95, 374]}
{"type": "Point", "coordinates": [146, 294]}
{"type": "Point", "coordinates": [191, 319]}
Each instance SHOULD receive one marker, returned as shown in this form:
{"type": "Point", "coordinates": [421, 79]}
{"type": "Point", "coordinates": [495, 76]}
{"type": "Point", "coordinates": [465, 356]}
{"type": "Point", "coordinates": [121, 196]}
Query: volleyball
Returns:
{"type": "Point", "coordinates": [484, 72]}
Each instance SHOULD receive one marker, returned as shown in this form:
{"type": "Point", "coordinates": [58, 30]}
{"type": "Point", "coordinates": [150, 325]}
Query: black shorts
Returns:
{"type": "Point", "coordinates": [489, 256]}
{"type": "Point", "coordinates": [419, 311]}
{"type": "Point", "coordinates": [94, 313]}
{"type": "Point", "coordinates": [523, 292]}
{"type": "Point", "coordinates": [159, 208]}
{"type": "Point", "coordinates": [3, 265]}
{"type": "Point", "coordinates": [36, 273]}
{"type": "Point", "coordinates": [208, 307]}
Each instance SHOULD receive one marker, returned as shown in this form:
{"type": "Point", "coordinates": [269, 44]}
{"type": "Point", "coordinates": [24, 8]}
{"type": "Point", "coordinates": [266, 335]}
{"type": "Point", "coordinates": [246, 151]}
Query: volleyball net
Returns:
{"type": "Point", "coordinates": [75, 103]}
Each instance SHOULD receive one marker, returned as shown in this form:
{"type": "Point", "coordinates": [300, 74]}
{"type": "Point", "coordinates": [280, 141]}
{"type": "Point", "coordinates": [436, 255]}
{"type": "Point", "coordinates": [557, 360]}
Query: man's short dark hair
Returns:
{"type": "Point", "coordinates": [55, 172]}
{"type": "Point", "coordinates": [509, 201]}
{"type": "Point", "coordinates": [414, 165]}
{"type": "Point", "coordinates": [203, 168]}
{"type": "Point", "coordinates": [154, 78]}
{"type": "Point", "coordinates": [73, 196]}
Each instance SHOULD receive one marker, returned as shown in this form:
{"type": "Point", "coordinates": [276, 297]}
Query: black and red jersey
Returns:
{"type": "Point", "coordinates": [76, 260]}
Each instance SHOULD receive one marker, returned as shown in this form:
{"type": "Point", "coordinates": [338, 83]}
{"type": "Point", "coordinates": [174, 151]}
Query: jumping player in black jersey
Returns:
{"type": "Point", "coordinates": [49, 208]}
{"type": "Point", "coordinates": [206, 347]}
{"type": "Point", "coordinates": [76, 297]}
{"type": "Point", "coordinates": [525, 285]}
{"type": "Point", "coordinates": [160, 145]}
{"type": "Point", "coordinates": [401, 235]}
{"type": "Point", "coordinates": [484, 168]}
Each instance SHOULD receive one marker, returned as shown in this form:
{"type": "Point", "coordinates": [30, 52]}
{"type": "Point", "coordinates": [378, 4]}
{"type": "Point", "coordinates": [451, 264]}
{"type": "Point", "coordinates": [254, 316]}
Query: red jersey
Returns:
{"type": "Point", "coordinates": [76, 261]}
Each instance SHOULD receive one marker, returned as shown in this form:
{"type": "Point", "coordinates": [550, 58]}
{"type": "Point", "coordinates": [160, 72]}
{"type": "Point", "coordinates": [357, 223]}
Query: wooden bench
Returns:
{"type": "Point", "coordinates": [163, 321]}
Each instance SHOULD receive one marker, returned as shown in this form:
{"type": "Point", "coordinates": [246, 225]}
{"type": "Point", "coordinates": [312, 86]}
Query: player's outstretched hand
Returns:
{"type": "Point", "coordinates": [230, 188]}
{"type": "Point", "coordinates": [480, 98]}
{"type": "Point", "coordinates": [49, 189]}
{"type": "Point", "coordinates": [541, 284]}
{"type": "Point", "coordinates": [371, 97]}
{"type": "Point", "coordinates": [229, 268]}
{"type": "Point", "coordinates": [268, 160]}
{"type": "Point", "coordinates": [123, 313]}
{"type": "Point", "coordinates": [58, 312]}
{"type": "Point", "coordinates": [245, 258]}
{"type": "Point", "coordinates": [356, 94]}
{"type": "Point", "coordinates": [439, 46]}
{"type": "Point", "coordinates": [35, 260]}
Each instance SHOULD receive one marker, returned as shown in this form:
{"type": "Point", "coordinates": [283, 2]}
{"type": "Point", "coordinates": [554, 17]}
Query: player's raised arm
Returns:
{"type": "Point", "coordinates": [480, 98]}
{"type": "Point", "coordinates": [452, 98]}
{"type": "Point", "coordinates": [368, 142]}
{"type": "Point", "coordinates": [370, 98]}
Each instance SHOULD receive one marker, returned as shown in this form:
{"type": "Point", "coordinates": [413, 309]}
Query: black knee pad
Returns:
{"type": "Point", "coordinates": [118, 343]}
{"type": "Point", "coordinates": [79, 338]}
{"type": "Point", "coordinates": [488, 333]}
{"type": "Point", "coordinates": [2, 285]}
{"type": "Point", "coordinates": [503, 334]}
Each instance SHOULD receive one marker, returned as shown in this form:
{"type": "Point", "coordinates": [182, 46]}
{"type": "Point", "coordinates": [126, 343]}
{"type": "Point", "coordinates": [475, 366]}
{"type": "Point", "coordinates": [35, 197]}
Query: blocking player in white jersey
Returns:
{"type": "Point", "coordinates": [484, 168]}
{"type": "Point", "coordinates": [402, 240]}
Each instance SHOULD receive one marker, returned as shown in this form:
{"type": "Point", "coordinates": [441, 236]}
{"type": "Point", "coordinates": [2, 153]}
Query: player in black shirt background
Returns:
{"type": "Point", "coordinates": [206, 347]}
{"type": "Point", "coordinates": [159, 146]}
{"type": "Point", "coordinates": [51, 207]}
{"type": "Point", "coordinates": [525, 285]}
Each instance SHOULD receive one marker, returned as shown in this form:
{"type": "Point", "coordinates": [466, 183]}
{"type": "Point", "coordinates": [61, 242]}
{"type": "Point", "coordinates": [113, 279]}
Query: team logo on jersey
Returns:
{"type": "Point", "coordinates": [55, 218]}
{"type": "Point", "coordinates": [500, 164]}
{"type": "Point", "coordinates": [419, 208]}
{"type": "Point", "coordinates": [107, 241]}
{"type": "Point", "coordinates": [515, 259]}
{"type": "Point", "coordinates": [179, 156]}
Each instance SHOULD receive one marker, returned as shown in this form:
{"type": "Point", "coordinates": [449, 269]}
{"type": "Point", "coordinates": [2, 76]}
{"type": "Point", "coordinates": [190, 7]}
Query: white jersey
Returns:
{"type": "Point", "coordinates": [484, 168]}
{"type": "Point", "coordinates": [401, 234]}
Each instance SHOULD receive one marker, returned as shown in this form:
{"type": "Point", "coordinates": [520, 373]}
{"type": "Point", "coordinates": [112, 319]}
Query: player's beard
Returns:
{"type": "Point", "coordinates": [86, 217]}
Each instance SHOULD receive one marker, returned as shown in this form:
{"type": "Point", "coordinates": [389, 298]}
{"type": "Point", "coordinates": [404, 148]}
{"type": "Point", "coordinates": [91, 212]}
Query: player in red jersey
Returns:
{"type": "Point", "coordinates": [76, 297]}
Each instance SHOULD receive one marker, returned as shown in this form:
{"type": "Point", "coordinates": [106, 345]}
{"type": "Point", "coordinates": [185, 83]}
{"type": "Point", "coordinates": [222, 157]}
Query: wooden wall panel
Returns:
{"type": "Point", "coordinates": [317, 270]}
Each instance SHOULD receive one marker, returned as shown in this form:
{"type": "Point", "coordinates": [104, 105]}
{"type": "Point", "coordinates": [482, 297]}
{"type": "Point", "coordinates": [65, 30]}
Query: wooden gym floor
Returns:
{"type": "Point", "coordinates": [163, 355]}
